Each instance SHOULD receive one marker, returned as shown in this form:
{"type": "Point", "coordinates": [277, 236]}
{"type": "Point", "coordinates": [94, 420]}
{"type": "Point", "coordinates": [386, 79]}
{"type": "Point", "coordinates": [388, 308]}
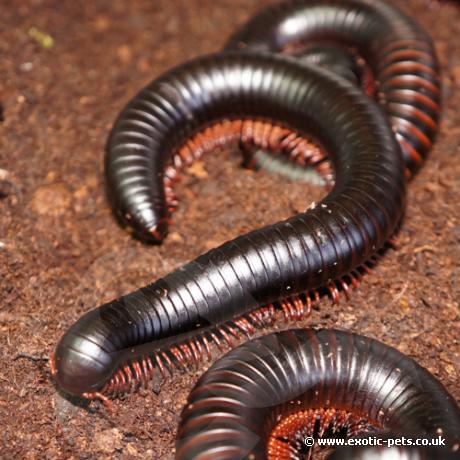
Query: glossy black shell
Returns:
{"type": "Point", "coordinates": [235, 405]}
{"type": "Point", "coordinates": [337, 59]}
{"type": "Point", "coordinates": [399, 53]}
{"type": "Point", "coordinates": [301, 253]}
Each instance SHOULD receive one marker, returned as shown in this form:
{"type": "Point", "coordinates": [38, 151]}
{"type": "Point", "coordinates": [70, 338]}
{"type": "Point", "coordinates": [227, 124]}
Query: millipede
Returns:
{"type": "Point", "coordinates": [369, 41]}
{"type": "Point", "coordinates": [217, 296]}
{"type": "Point", "coordinates": [262, 399]}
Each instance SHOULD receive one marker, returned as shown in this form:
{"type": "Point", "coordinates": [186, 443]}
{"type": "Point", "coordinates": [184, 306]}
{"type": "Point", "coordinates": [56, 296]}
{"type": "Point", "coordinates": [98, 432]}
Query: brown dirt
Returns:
{"type": "Point", "coordinates": [62, 253]}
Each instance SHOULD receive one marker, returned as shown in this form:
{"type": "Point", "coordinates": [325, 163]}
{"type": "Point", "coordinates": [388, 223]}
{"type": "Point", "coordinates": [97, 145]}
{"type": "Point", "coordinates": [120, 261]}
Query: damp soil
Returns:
{"type": "Point", "coordinates": [66, 70]}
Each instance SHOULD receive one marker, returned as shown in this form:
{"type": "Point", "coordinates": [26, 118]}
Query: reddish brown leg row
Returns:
{"type": "Point", "coordinates": [287, 438]}
{"type": "Point", "coordinates": [251, 135]}
{"type": "Point", "coordinates": [185, 354]}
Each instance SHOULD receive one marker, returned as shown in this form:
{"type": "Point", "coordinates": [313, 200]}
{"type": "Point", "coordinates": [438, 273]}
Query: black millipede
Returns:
{"type": "Point", "coordinates": [262, 399]}
{"type": "Point", "coordinates": [395, 50]}
{"type": "Point", "coordinates": [398, 53]}
{"type": "Point", "coordinates": [121, 342]}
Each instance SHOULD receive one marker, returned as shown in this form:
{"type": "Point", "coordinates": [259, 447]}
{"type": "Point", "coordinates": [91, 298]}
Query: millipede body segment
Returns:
{"type": "Point", "coordinates": [262, 399]}
{"type": "Point", "coordinates": [312, 249]}
{"type": "Point", "coordinates": [335, 58]}
{"type": "Point", "coordinates": [398, 52]}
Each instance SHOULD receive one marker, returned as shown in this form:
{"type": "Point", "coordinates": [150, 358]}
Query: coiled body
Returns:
{"type": "Point", "coordinates": [397, 51]}
{"type": "Point", "coordinates": [263, 398]}
{"type": "Point", "coordinates": [304, 252]}
{"type": "Point", "coordinates": [337, 34]}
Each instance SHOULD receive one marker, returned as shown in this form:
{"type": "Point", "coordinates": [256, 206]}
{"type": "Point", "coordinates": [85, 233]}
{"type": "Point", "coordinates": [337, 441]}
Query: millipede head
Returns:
{"type": "Point", "coordinates": [157, 233]}
{"type": "Point", "coordinates": [79, 365]}
{"type": "Point", "coordinates": [147, 225]}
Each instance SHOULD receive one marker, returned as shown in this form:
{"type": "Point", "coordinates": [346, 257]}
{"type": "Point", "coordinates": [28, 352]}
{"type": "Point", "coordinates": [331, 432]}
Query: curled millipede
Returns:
{"type": "Point", "coordinates": [216, 297]}
{"type": "Point", "coordinates": [388, 45]}
{"type": "Point", "coordinates": [398, 53]}
{"type": "Point", "coordinates": [262, 399]}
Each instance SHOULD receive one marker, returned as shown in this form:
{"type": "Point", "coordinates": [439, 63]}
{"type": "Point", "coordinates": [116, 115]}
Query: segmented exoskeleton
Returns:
{"type": "Point", "coordinates": [264, 398]}
{"type": "Point", "coordinates": [122, 341]}
{"type": "Point", "coordinates": [396, 51]}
